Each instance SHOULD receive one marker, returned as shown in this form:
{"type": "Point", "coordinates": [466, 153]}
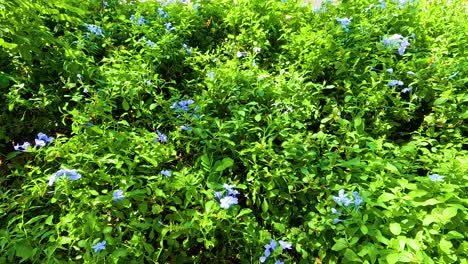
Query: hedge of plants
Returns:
{"type": "Point", "coordinates": [233, 131]}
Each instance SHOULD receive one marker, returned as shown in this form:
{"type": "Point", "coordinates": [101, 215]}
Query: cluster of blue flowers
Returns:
{"type": "Point", "coordinates": [344, 23]}
{"type": "Point", "coordinates": [162, 13]}
{"type": "Point", "coordinates": [138, 21]}
{"type": "Point", "coordinates": [343, 200]}
{"type": "Point", "coordinates": [72, 175]}
{"type": "Point", "coordinates": [169, 27]}
{"type": "Point", "coordinates": [183, 106]}
{"type": "Point", "coordinates": [41, 141]}
{"type": "Point", "coordinates": [272, 247]}
{"type": "Point", "coordinates": [230, 197]}
{"type": "Point", "coordinates": [93, 29]}
{"type": "Point", "coordinates": [396, 40]}
{"type": "Point", "coordinates": [148, 42]}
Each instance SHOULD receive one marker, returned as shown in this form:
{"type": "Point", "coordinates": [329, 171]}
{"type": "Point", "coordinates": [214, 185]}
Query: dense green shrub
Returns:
{"type": "Point", "coordinates": [233, 132]}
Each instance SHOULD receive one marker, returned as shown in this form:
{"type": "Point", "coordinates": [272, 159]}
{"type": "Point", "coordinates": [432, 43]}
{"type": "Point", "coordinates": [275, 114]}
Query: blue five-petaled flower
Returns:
{"type": "Point", "coordinates": [99, 246]}
{"type": "Point", "coordinates": [118, 195]}
{"type": "Point", "coordinates": [72, 175]}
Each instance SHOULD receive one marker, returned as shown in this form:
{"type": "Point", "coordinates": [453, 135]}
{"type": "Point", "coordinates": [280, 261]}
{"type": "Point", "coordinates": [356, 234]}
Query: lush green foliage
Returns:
{"type": "Point", "coordinates": [290, 105]}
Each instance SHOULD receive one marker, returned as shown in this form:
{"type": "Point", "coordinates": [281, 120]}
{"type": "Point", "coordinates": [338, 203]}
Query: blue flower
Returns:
{"type": "Point", "coordinates": [166, 173]}
{"type": "Point", "coordinates": [169, 27]}
{"type": "Point", "coordinates": [150, 43]}
{"type": "Point", "coordinates": [262, 259]}
{"type": "Point", "coordinates": [279, 262]}
{"type": "Point", "coordinates": [436, 178]}
{"type": "Point", "coordinates": [285, 245]}
{"type": "Point", "coordinates": [118, 195]}
{"type": "Point", "coordinates": [334, 211]}
{"type": "Point", "coordinates": [382, 4]}
{"type": "Point", "coordinates": [241, 54]}
{"type": "Point", "coordinates": [394, 83]}
{"type": "Point", "coordinates": [357, 199]}
{"type": "Point", "coordinates": [140, 21]}
{"type": "Point", "coordinates": [256, 49]}
{"type": "Point", "coordinates": [342, 198]}
{"type": "Point", "coordinates": [411, 73]}
{"type": "Point", "coordinates": [453, 75]}
{"type": "Point", "coordinates": [227, 201]}
{"type": "Point", "coordinates": [390, 70]}
{"type": "Point", "coordinates": [218, 195]}
{"type": "Point", "coordinates": [42, 139]}
{"type": "Point", "coordinates": [105, 3]}
{"type": "Point", "coordinates": [336, 221]}
{"type": "Point", "coordinates": [162, 13]}
{"type": "Point", "coordinates": [210, 75]}
{"type": "Point", "coordinates": [96, 30]}
{"type": "Point", "coordinates": [344, 22]}
{"type": "Point", "coordinates": [397, 40]}
{"type": "Point", "coordinates": [186, 128]}
{"type": "Point", "coordinates": [89, 124]}
{"type": "Point", "coordinates": [187, 49]}
{"type": "Point", "coordinates": [100, 246]}
{"type": "Point", "coordinates": [406, 90]}
{"type": "Point", "coordinates": [23, 147]}
{"type": "Point", "coordinates": [72, 175]}
{"type": "Point", "coordinates": [161, 137]}
{"type": "Point", "coordinates": [230, 190]}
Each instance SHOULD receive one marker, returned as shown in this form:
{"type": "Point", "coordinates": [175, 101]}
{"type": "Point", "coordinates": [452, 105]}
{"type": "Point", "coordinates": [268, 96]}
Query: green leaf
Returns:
{"type": "Point", "coordinates": [351, 256]}
{"type": "Point", "coordinates": [24, 250]}
{"type": "Point", "coordinates": [395, 228]}
{"type": "Point", "coordinates": [225, 163]}
{"type": "Point", "coordinates": [392, 258]}
{"type": "Point", "coordinates": [449, 213]}
{"type": "Point", "coordinates": [340, 244]}
{"type": "Point", "coordinates": [125, 105]}
{"type": "Point", "coordinates": [258, 117]}
{"type": "Point", "coordinates": [454, 235]}
{"type": "Point", "coordinates": [385, 197]}
{"type": "Point", "coordinates": [364, 229]}
{"type": "Point", "coordinates": [265, 206]}
{"type": "Point", "coordinates": [7, 45]}
{"type": "Point", "coordinates": [429, 219]}
{"type": "Point", "coordinates": [244, 211]}
{"type": "Point", "coordinates": [445, 246]}
{"type": "Point", "coordinates": [118, 253]}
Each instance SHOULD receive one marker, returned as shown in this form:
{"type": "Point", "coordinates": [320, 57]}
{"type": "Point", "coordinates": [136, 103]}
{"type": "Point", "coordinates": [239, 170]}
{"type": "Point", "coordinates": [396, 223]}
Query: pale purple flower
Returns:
{"type": "Point", "coordinates": [390, 70]}
{"type": "Point", "coordinates": [279, 262]}
{"type": "Point", "coordinates": [334, 211]}
{"type": "Point", "coordinates": [336, 221]}
{"type": "Point", "coordinates": [140, 21]}
{"type": "Point", "coordinates": [72, 175]}
{"type": "Point", "coordinates": [185, 128]}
